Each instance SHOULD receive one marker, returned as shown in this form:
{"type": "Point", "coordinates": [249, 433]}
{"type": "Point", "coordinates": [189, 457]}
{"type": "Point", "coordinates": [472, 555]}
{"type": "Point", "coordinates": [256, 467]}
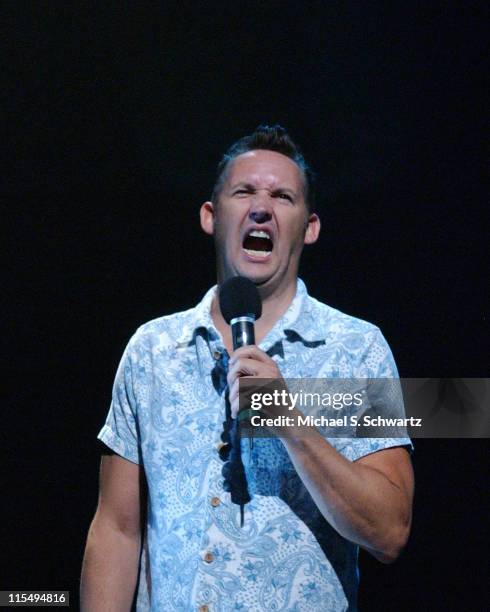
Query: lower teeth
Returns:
{"type": "Point", "coordinates": [257, 253]}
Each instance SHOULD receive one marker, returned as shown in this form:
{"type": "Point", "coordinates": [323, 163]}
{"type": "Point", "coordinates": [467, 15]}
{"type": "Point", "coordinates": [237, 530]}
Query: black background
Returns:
{"type": "Point", "coordinates": [116, 115]}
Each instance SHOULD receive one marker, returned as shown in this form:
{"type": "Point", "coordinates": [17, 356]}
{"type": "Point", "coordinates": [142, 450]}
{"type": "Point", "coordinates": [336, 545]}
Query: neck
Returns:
{"type": "Point", "coordinates": [273, 307]}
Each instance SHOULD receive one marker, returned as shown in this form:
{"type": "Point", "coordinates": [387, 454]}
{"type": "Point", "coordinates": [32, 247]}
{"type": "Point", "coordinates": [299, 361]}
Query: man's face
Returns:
{"type": "Point", "coordinates": [261, 221]}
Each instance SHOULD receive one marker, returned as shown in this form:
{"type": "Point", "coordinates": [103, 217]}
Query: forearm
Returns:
{"type": "Point", "coordinates": [110, 568]}
{"type": "Point", "coordinates": [360, 502]}
{"type": "Point", "coordinates": [367, 501]}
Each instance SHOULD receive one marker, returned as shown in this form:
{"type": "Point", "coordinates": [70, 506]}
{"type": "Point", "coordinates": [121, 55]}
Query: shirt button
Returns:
{"type": "Point", "coordinates": [217, 354]}
{"type": "Point", "coordinates": [204, 608]}
{"type": "Point", "coordinates": [215, 501]}
{"type": "Point", "coordinates": [209, 557]}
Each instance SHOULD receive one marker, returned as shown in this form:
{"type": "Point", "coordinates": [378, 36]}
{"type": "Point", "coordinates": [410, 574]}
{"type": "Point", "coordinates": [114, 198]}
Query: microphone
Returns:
{"type": "Point", "coordinates": [241, 306]}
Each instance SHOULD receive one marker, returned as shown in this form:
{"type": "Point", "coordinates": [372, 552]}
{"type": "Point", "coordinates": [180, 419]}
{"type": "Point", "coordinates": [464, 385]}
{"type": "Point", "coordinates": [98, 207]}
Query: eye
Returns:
{"type": "Point", "coordinates": [242, 192]}
{"type": "Point", "coordinates": [284, 196]}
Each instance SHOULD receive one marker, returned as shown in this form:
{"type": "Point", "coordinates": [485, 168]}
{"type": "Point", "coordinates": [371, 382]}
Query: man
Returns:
{"type": "Point", "coordinates": [313, 500]}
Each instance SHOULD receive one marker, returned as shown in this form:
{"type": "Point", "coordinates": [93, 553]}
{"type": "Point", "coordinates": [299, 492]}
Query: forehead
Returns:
{"type": "Point", "coordinates": [265, 168]}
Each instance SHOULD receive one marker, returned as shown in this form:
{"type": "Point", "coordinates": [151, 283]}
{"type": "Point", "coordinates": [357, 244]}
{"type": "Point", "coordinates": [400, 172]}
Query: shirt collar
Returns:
{"type": "Point", "coordinates": [299, 319]}
{"type": "Point", "coordinates": [201, 319]}
{"type": "Point", "coordinates": [297, 323]}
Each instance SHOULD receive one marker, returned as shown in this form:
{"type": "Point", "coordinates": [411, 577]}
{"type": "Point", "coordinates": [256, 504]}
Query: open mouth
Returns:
{"type": "Point", "coordinates": [258, 244]}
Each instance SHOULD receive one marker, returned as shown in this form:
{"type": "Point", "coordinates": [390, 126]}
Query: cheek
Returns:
{"type": "Point", "coordinates": [228, 228]}
{"type": "Point", "coordinates": [223, 239]}
{"type": "Point", "coordinates": [297, 234]}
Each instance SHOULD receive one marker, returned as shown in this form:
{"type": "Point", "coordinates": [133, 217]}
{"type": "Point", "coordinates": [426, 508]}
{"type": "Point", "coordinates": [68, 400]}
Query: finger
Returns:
{"type": "Point", "coordinates": [234, 391]}
{"type": "Point", "coordinates": [243, 367]}
{"type": "Point", "coordinates": [253, 369]}
{"type": "Point", "coordinates": [246, 366]}
{"type": "Point", "coordinates": [249, 352]}
{"type": "Point", "coordinates": [250, 371]}
{"type": "Point", "coordinates": [234, 400]}
{"type": "Point", "coordinates": [234, 397]}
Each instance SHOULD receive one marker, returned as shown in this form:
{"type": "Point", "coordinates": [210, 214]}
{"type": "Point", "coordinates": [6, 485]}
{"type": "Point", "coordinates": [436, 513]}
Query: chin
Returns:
{"type": "Point", "coordinates": [261, 281]}
{"type": "Point", "coordinates": [259, 277]}
{"type": "Point", "coordinates": [260, 273]}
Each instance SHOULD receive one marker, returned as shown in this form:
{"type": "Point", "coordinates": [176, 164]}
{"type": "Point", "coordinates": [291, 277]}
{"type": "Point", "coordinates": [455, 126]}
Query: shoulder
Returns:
{"type": "Point", "coordinates": [164, 333]}
{"type": "Point", "coordinates": [334, 321]}
{"type": "Point", "coordinates": [352, 340]}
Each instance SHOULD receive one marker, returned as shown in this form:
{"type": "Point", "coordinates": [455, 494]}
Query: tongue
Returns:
{"type": "Point", "coordinates": [254, 243]}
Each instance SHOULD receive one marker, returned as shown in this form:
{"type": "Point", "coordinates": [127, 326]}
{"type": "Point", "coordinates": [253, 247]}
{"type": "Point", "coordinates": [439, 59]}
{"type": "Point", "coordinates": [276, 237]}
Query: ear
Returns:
{"type": "Point", "coordinates": [207, 217]}
{"type": "Point", "coordinates": [312, 229]}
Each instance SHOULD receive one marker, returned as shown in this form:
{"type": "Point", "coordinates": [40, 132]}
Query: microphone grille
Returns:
{"type": "Point", "coordinates": [238, 297]}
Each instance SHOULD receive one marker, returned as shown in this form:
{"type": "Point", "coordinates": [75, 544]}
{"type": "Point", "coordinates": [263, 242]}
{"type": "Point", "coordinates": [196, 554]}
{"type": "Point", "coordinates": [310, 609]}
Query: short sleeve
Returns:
{"type": "Point", "coordinates": [376, 362]}
{"type": "Point", "coordinates": [120, 432]}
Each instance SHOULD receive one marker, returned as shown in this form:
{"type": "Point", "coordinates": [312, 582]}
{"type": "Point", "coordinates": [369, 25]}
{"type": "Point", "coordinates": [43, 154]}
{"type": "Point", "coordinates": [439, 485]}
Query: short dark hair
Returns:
{"type": "Point", "coordinates": [271, 138]}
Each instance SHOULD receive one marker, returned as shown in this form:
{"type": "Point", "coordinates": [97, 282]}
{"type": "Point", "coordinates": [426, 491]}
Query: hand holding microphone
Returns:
{"type": "Point", "coordinates": [241, 306]}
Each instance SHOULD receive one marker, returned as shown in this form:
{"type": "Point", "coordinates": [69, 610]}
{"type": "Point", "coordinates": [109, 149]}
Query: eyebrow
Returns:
{"type": "Point", "coordinates": [252, 187]}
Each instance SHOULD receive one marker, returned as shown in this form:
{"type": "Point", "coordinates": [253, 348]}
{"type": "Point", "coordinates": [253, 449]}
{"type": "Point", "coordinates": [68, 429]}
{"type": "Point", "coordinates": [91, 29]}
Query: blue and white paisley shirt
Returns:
{"type": "Point", "coordinates": [167, 415]}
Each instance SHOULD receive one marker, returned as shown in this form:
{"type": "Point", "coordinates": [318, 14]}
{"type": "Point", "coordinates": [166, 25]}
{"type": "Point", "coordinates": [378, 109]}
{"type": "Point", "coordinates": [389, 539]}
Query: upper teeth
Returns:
{"type": "Point", "coordinates": [259, 234]}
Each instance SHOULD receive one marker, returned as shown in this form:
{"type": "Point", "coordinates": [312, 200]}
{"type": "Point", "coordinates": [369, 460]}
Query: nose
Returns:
{"type": "Point", "coordinates": [260, 216]}
{"type": "Point", "coordinates": [260, 211]}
